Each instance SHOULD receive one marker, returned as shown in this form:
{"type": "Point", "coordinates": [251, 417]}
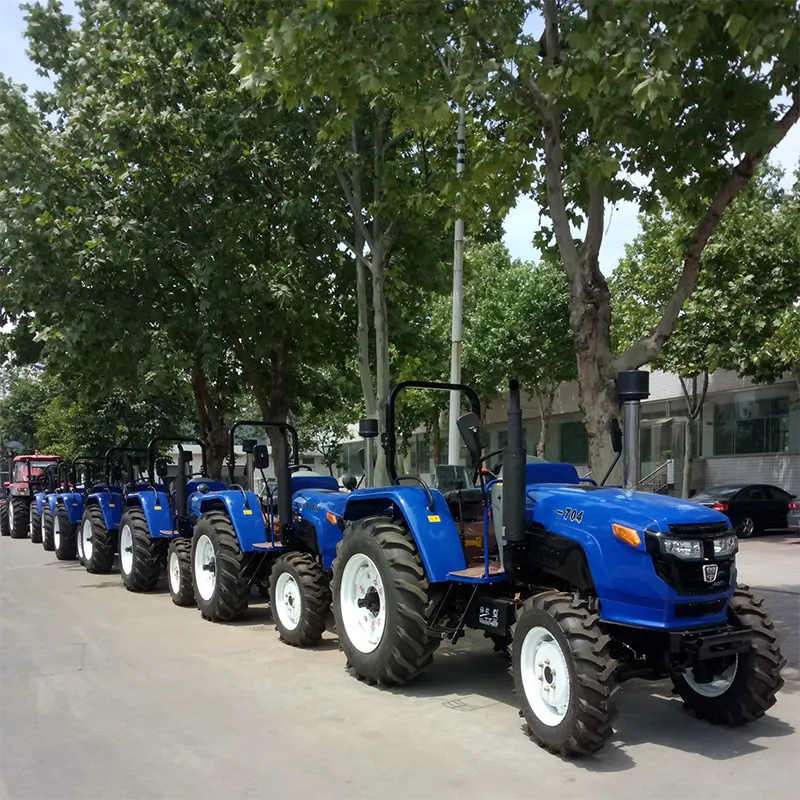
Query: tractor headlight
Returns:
{"type": "Point", "coordinates": [686, 549]}
{"type": "Point", "coordinates": [725, 546]}
{"type": "Point", "coordinates": [23, 490]}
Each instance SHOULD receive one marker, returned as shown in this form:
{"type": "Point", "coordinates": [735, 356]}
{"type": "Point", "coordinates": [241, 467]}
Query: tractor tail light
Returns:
{"type": "Point", "coordinates": [720, 506]}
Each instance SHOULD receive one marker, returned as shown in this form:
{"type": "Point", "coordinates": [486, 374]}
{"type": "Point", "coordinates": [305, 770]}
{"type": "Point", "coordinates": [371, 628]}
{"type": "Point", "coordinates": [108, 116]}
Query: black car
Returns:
{"type": "Point", "coordinates": [752, 508]}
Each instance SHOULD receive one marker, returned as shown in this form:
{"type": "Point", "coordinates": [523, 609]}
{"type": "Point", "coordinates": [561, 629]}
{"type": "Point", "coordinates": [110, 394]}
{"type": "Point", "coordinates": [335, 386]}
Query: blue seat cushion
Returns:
{"type": "Point", "coordinates": [302, 481]}
{"type": "Point", "coordinates": [543, 472]}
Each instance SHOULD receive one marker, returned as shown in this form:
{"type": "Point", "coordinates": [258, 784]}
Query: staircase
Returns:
{"type": "Point", "coordinates": [658, 480]}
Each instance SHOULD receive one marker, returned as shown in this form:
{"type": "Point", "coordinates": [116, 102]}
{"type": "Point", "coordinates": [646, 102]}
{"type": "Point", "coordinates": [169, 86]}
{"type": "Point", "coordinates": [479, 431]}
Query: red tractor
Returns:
{"type": "Point", "coordinates": [26, 478]}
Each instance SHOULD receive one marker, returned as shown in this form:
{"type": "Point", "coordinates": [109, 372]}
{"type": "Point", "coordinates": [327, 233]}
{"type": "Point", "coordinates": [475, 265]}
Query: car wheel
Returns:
{"type": "Point", "coordinates": [746, 528]}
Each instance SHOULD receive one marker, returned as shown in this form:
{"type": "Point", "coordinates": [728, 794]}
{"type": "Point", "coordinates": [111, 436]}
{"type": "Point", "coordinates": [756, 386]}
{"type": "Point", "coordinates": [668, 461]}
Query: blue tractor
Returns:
{"type": "Point", "coordinates": [66, 506]}
{"type": "Point", "coordinates": [40, 501]}
{"type": "Point", "coordinates": [242, 539]}
{"type": "Point", "coordinates": [586, 585]}
{"type": "Point", "coordinates": [156, 525]}
{"type": "Point", "coordinates": [105, 501]}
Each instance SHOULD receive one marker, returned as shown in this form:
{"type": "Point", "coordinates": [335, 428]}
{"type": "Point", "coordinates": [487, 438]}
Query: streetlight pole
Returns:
{"type": "Point", "coordinates": [453, 438]}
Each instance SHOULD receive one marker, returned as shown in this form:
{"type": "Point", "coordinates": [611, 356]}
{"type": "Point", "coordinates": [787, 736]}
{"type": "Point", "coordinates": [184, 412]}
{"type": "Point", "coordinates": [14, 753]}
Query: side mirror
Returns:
{"type": "Point", "coordinates": [260, 456]}
{"type": "Point", "coordinates": [249, 445]}
{"type": "Point", "coordinates": [616, 434]}
{"type": "Point", "coordinates": [473, 433]}
{"type": "Point", "coordinates": [161, 467]}
{"type": "Point", "coordinates": [349, 482]}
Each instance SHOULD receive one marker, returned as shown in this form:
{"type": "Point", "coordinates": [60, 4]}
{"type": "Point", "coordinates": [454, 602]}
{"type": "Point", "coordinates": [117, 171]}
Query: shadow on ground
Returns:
{"type": "Point", "coordinates": [648, 711]}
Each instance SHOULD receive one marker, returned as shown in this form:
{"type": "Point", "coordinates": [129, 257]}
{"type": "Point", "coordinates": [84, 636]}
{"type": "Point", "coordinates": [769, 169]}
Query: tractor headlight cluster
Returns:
{"type": "Point", "coordinates": [23, 490]}
{"type": "Point", "coordinates": [686, 549]}
{"type": "Point", "coordinates": [725, 546]}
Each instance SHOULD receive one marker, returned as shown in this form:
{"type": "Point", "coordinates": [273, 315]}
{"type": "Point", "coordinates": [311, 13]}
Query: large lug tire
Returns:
{"type": "Point", "coordinates": [65, 539]}
{"type": "Point", "coordinates": [300, 597]}
{"type": "Point", "coordinates": [47, 528]}
{"type": "Point", "coordinates": [745, 688]}
{"type": "Point", "coordinates": [5, 529]}
{"type": "Point", "coordinates": [179, 572]}
{"type": "Point", "coordinates": [35, 524]}
{"type": "Point", "coordinates": [564, 675]}
{"type": "Point", "coordinates": [140, 557]}
{"type": "Point", "coordinates": [18, 518]}
{"type": "Point", "coordinates": [98, 543]}
{"type": "Point", "coordinates": [380, 600]}
{"type": "Point", "coordinates": [220, 590]}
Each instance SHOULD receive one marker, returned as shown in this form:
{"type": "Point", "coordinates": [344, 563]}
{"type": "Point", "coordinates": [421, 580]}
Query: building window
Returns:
{"type": "Point", "coordinates": [751, 426]}
{"type": "Point", "coordinates": [573, 446]}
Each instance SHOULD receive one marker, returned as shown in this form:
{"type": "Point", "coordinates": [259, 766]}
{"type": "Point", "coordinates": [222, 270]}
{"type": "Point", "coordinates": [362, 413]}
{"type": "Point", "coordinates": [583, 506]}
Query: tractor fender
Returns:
{"type": "Point", "coordinates": [39, 499]}
{"type": "Point", "coordinates": [156, 510]}
{"type": "Point", "coordinates": [434, 530]}
{"type": "Point", "coordinates": [73, 503]}
{"type": "Point", "coordinates": [243, 510]}
{"type": "Point", "coordinates": [110, 505]}
{"type": "Point", "coordinates": [51, 501]}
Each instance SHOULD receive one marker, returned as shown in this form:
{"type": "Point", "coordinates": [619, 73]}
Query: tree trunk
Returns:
{"type": "Point", "coordinates": [210, 409]}
{"type": "Point", "coordinates": [545, 395]}
{"type": "Point", "coordinates": [364, 369]}
{"type": "Point", "coordinates": [694, 405]}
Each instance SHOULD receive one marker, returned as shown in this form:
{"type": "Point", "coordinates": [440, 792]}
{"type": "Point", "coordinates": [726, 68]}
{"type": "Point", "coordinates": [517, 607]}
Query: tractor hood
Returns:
{"type": "Point", "coordinates": [593, 506]}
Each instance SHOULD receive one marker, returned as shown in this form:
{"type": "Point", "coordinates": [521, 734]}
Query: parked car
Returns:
{"type": "Point", "coordinates": [753, 508]}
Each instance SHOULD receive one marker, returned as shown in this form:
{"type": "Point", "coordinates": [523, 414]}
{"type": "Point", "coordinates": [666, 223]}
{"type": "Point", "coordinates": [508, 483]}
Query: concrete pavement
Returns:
{"type": "Point", "coordinates": [105, 695]}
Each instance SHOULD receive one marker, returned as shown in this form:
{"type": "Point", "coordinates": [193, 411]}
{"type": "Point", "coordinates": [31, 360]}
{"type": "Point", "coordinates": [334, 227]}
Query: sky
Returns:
{"type": "Point", "coordinates": [622, 222]}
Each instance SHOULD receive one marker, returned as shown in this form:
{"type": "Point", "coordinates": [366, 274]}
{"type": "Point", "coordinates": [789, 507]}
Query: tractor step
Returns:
{"type": "Point", "coordinates": [477, 574]}
{"type": "Point", "coordinates": [268, 546]}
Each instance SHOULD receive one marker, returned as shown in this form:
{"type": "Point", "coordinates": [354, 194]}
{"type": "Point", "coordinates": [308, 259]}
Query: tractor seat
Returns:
{"type": "Point", "coordinates": [466, 505]}
{"type": "Point", "coordinates": [305, 480]}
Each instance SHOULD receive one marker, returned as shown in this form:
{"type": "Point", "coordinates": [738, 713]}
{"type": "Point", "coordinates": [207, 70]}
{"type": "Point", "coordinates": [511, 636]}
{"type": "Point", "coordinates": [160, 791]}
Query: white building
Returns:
{"type": "Point", "coordinates": [746, 433]}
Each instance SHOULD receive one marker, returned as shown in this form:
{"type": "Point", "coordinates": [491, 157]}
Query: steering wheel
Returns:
{"type": "Point", "coordinates": [298, 467]}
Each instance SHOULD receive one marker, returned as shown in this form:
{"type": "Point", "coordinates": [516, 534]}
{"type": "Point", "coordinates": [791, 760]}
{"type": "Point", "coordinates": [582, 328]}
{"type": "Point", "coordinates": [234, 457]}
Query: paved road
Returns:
{"type": "Point", "coordinates": [108, 695]}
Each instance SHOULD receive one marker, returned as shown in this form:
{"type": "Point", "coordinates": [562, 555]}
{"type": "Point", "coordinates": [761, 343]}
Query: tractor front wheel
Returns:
{"type": "Point", "coordinates": [97, 542]}
{"type": "Point", "coordinates": [380, 593]}
{"type": "Point", "coordinates": [300, 596]}
{"type": "Point", "coordinates": [742, 688]}
{"type": "Point", "coordinates": [47, 528]}
{"type": "Point", "coordinates": [221, 592]}
{"type": "Point", "coordinates": [140, 557]}
{"type": "Point", "coordinates": [35, 524]}
{"type": "Point", "coordinates": [18, 518]}
{"type": "Point", "coordinates": [64, 536]}
{"type": "Point", "coordinates": [5, 530]}
{"type": "Point", "coordinates": [179, 572]}
{"type": "Point", "coordinates": [564, 674]}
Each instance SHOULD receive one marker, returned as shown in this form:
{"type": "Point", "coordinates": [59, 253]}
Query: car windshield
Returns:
{"type": "Point", "coordinates": [716, 493]}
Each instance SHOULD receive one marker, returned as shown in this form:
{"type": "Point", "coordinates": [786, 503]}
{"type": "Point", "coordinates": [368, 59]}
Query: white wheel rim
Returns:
{"type": "Point", "coordinates": [718, 686]}
{"type": "Point", "coordinates": [545, 676]}
{"type": "Point", "coordinates": [56, 533]}
{"type": "Point", "coordinates": [10, 516]}
{"type": "Point", "coordinates": [364, 623]}
{"type": "Point", "coordinates": [205, 567]}
{"type": "Point", "coordinates": [288, 601]}
{"type": "Point", "coordinates": [86, 540]}
{"type": "Point", "coordinates": [126, 549]}
{"type": "Point", "coordinates": [174, 572]}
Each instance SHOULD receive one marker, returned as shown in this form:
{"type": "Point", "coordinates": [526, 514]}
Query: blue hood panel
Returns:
{"type": "Point", "coordinates": [313, 506]}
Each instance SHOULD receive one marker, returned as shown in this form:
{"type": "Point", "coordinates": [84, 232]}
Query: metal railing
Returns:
{"type": "Point", "coordinates": [657, 481]}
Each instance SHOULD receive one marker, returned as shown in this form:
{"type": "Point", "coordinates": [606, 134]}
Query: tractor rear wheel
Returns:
{"type": "Point", "coordinates": [564, 674]}
{"type": "Point", "coordinates": [18, 518]}
{"type": "Point", "coordinates": [47, 527]}
{"type": "Point", "coordinates": [140, 557]}
{"type": "Point", "coordinates": [380, 597]}
{"type": "Point", "coordinates": [744, 686]}
{"type": "Point", "coordinates": [300, 596]}
{"type": "Point", "coordinates": [35, 524]}
{"type": "Point", "coordinates": [5, 530]}
{"type": "Point", "coordinates": [179, 572]}
{"type": "Point", "coordinates": [97, 542]}
{"type": "Point", "coordinates": [64, 536]}
{"type": "Point", "coordinates": [217, 565]}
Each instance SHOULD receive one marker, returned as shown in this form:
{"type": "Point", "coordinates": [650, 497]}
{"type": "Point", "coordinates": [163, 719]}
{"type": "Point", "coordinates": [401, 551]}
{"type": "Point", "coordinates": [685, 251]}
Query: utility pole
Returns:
{"type": "Point", "coordinates": [453, 438]}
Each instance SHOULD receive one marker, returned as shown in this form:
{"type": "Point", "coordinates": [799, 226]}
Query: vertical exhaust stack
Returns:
{"type": "Point", "coordinates": [514, 460]}
{"type": "Point", "coordinates": [184, 458]}
{"type": "Point", "coordinates": [633, 386]}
